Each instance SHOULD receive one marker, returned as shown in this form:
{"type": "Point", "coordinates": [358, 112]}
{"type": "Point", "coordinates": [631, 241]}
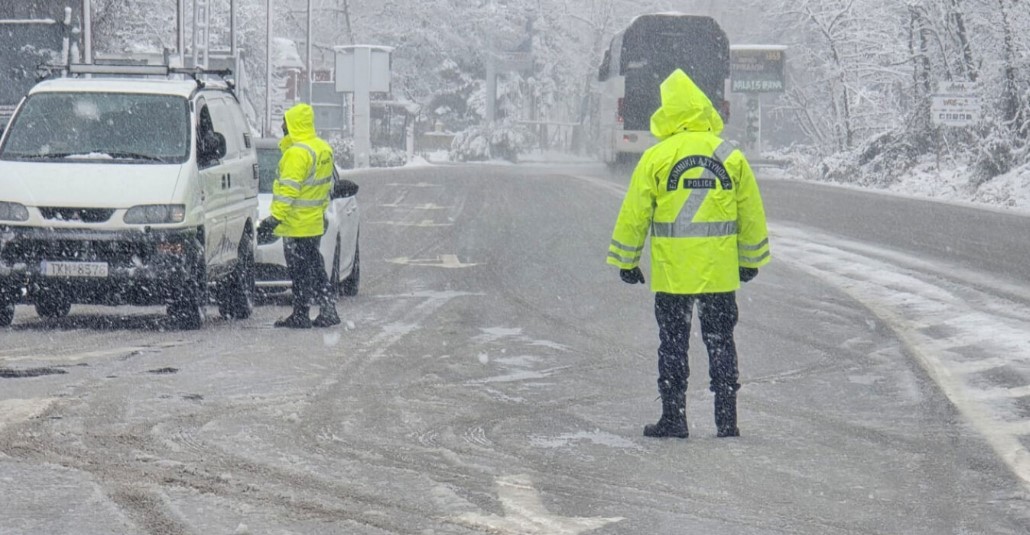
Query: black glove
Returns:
{"type": "Point", "coordinates": [747, 274]}
{"type": "Point", "coordinates": [267, 226]}
{"type": "Point", "coordinates": [632, 276]}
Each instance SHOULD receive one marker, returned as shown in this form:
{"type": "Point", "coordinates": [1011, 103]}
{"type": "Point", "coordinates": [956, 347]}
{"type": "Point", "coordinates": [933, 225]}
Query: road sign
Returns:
{"type": "Point", "coordinates": [757, 68]}
{"type": "Point", "coordinates": [956, 104]}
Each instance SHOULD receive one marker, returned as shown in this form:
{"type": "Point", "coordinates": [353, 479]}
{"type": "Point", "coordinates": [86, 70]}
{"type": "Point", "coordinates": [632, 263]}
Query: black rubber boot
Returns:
{"type": "Point", "coordinates": [298, 320]}
{"type": "Point", "coordinates": [673, 422]}
{"type": "Point", "coordinates": [327, 316]}
{"type": "Point", "coordinates": [726, 414]}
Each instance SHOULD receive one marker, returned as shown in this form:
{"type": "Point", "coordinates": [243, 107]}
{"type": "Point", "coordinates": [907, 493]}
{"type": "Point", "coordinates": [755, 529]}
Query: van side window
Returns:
{"type": "Point", "coordinates": [205, 130]}
{"type": "Point", "coordinates": [223, 123]}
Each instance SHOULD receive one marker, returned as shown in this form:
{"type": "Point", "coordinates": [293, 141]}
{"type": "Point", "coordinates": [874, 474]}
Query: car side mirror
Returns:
{"type": "Point", "coordinates": [344, 188]}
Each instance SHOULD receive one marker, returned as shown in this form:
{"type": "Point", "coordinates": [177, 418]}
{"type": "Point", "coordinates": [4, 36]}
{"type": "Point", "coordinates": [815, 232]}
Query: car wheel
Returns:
{"type": "Point", "coordinates": [334, 273]}
{"type": "Point", "coordinates": [349, 287]}
{"type": "Point", "coordinates": [6, 313]}
{"type": "Point", "coordinates": [188, 309]}
{"type": "Point", "coordinates": [236, 294]}
{"type": "Point", "coordinates": [53, 306]}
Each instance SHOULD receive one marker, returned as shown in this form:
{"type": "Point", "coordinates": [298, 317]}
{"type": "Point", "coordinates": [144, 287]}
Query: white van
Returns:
{"type": "Point", "coordinates": [133, 191]}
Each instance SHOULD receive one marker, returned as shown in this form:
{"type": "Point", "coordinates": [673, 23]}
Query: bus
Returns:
{"type": "Point", "coordinates": [639, 59]}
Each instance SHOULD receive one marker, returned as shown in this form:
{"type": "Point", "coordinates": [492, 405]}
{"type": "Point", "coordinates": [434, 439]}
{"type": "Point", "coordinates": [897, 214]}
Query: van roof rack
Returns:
{"type": "Point", "coordinates": [148, 70]}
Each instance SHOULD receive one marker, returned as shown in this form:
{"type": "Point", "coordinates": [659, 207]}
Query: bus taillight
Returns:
{"type": "Point", "coordinates": [618, 111]}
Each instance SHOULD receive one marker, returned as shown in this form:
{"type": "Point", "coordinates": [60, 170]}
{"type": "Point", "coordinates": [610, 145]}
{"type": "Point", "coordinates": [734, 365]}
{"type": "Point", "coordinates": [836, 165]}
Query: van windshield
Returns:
{"type": "Point", "coordinates": [100, 127]}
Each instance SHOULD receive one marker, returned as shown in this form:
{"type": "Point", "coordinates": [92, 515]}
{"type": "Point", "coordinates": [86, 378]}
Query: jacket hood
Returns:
{"type": "Point", "coordinates": [685, 108]}
{"type": "Point", "coordinates": [300, 121]}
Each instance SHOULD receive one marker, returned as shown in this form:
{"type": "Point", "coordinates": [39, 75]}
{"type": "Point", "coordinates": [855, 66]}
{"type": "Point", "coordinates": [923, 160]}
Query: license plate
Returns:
{"type": "Point", "coordinates": [74, 269]}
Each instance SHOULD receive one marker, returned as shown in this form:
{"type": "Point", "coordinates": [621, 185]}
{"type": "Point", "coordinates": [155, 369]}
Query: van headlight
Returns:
{"type": "Point", "coordinates": [12, 211]}
{"type": "Point", "coordinates": [155, 214]}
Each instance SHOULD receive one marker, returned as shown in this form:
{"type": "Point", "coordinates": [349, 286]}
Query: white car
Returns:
{"type": "Point", "coordinates": [339, 243]}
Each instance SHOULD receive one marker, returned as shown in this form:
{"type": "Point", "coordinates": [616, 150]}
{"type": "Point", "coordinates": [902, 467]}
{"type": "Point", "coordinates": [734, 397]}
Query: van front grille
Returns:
{"type": "Point", "coordinates": [85, 215]}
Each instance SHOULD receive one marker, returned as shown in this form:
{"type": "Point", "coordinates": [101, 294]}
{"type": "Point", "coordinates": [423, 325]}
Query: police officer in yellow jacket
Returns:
{"type": "Point", "coordinates": [300, 196]}
{"type": "Point", "coordinates": [699, 199]}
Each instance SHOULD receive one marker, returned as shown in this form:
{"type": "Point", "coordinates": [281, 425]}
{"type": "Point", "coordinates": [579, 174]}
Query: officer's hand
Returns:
{"type": "Point", "coordinates": [267, 226]}
{"type": "Point", "coordinates": [747, 274]}
{"type": "Point", "coordinates": [632, 276]}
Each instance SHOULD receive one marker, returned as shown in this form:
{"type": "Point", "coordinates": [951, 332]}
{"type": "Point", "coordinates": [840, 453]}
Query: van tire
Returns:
{"type": "Point", "coordinates": [349, 286]}
{"type": "Point", "coordinates": [188, 310]}
{"type": "Point", "coordinates": [236, 293]}
{"type": "Point", "coordinates": [53, 306]}
{"type": "Point", "coordinates": [6, 312]}
{"type": "Point", "coordinates": [334, 272]}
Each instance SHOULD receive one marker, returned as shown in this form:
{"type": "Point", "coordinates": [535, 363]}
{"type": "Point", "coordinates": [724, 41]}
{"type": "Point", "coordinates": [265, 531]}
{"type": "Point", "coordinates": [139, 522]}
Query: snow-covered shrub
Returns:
{"type": "Point", "coordinates": [343, 150]}
{"type": "Point", "coordinates": [505, 140]}
{"type": "Point", "coordinates": [388, 157]}
{"type": "Point", "coordinates": [995, 155]}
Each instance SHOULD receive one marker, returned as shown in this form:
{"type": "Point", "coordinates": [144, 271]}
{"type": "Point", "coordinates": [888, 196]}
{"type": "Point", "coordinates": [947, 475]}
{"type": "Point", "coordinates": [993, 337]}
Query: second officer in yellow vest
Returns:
{"type": "Point", "coordinates": [697, 196]}
{"type": "Point", "coordinates": [300, 198]}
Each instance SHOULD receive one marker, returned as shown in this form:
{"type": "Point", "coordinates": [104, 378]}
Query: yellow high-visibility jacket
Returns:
{"type": "Point", "coordinates": [697, 196]}
{"type": "Point", "coordinates": [300, 194]}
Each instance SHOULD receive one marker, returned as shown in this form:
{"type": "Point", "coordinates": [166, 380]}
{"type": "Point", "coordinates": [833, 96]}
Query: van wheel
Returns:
{"type": "Point", "coordinates": [188, 316]}
{"type": "Point", "coordinates": [349, 287]}
{"type": "Point", "coordinates": [189, 308]}
{"type": "Point", "coordinates": [6, 312]}
{"type": "Point", "coordinates": [53, 306]}
{"type": "Point", "coordinates": [236, 294]}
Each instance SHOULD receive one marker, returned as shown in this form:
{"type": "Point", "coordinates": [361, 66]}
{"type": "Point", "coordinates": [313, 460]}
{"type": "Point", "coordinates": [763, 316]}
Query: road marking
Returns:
{"type": "Point", "coordinates": [427, 206]}
{"type": "Point", "coordinates": [73, 357]}
{"type": "Point", "coordinates": [424, 223]}
{"type": "Point", "coordinates": [415, 185]}
{"type": "Point", "coordinates": [14, 411]}
{"type": "Point", "coordinates": [525, 514]}
{"type": "Point", "coordinates": [910, 304]}
{"type": "Point", "coordinates": [448, 261]}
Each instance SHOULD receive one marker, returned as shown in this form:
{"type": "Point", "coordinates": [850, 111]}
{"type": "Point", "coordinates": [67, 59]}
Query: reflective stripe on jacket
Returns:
{"type": "Point", "coordinates": [300, 194]}
{"type": "Point", "coordinates": [696, 195]}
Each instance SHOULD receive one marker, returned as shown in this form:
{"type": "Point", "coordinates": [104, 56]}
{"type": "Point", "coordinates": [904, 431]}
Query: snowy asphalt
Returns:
{"type": "Point", "coordinates": [493, 376]}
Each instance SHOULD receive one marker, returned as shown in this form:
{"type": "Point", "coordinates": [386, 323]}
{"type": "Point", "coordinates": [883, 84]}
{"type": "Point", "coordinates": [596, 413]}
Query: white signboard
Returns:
{"type": "Point", "coordinates": [349, 68]}
{"type": "Point", "coordinates": [957, 104]}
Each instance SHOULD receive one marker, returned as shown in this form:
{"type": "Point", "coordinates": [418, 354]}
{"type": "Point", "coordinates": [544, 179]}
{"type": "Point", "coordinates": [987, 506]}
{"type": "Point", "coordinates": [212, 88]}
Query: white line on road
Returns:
{"type": "Point", "coordinates": [14, 411]}
{"type": "Point", "coordinates": [525, 514]}
{"type": "Point", "coordinates": [911, 305]}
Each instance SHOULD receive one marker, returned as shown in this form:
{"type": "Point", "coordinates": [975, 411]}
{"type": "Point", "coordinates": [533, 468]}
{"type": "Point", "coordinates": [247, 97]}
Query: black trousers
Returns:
{"type": "Point", "coordinates": [307, 272]}
{"type": "Point", "coordinates": [717, 313]}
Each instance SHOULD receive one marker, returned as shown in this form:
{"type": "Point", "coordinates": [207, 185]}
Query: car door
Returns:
{"type": "Point", "coordinates": [212, 185]}
{"type": "Point", "coordinates": [342, 216]}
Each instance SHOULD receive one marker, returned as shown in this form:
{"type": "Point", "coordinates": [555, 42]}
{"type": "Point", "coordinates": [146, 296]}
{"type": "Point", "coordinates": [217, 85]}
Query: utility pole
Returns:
{"type": "Point", "coordinates": [310, 74]}
{"type": "Point", "coordinates": [233, 18]}
{"type": "Point", "coordinates": [180, 31]}
{"type": "Point", "coordinates": [87, 31]}
{"type": "Point", "coordinates": [268, 67]}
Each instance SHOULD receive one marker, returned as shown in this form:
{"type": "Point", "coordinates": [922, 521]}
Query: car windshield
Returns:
{"type": "Point", "coordinates": [124, 127]}
{"type": "Point", "coordinates": [268, 168]}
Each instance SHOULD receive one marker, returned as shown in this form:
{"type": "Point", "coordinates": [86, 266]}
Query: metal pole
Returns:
{"type": "Point", "coordinates": [87, 31]}
{"type": "Point", "coordinates": [232, 29]}
{"type": "Point", "coordinates": [362, 107]}
{"type": "Point", "coordinates": [268, 68]}
{"type": "Point", "coordinates": [180, 28]}
{"type": "Point", "coordinates": [310, 75]}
